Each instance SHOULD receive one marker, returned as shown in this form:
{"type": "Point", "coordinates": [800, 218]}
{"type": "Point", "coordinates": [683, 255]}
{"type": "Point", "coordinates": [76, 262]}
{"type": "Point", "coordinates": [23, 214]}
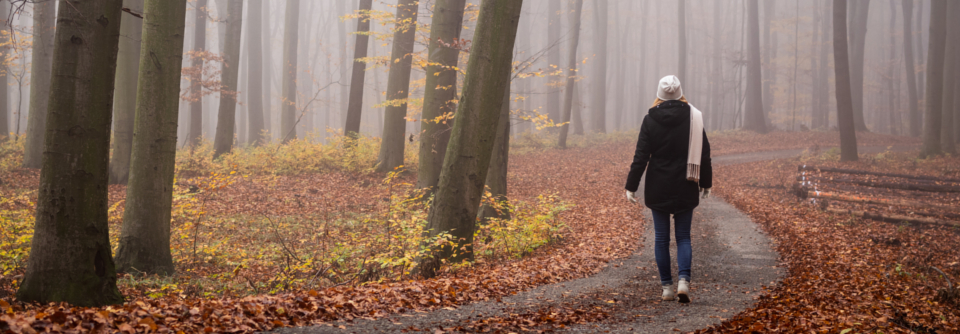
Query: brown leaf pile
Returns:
{"type": "Point", "coordinates": [601, 229]}
{"type": "Point", "coordinates": [842, 272]}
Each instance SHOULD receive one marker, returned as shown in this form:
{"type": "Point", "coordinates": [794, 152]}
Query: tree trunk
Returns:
{"type": "Point", "coordinates": [577, 112]}
{"type": "Point", "coordinates": [398, 87]}
{"type": "Point", "coordinates": [857, 35]}
{"type": "Point", "coordinates": [255, 72]}
{"type": "Point", "coordinates": [267, 53]}
{"type": "Point", "coordinates": [440, 91]}
{"type": "Point", "coordinates": [717, 72]}
{"type": "Point", "coordinates": [753, 113]}
{"type": "Point", "coordinates": [4, 109]}
{"type": "Point", "coordinates": [848, 134]}
{"type": "Point", "coordinates": [768, 68]}
{"type": "Point", "coordinates": [817, 36]}
{"type": "Point", "coordinates": [344, 90]}
{"type": "Point", "coordinates": [950, 70]}
{"type": "Point", "coordinates": [465, 166]}
{"type": "Point", "coordinates": [822, 119]}
{"type": "Point", "coordinates": [125, 96]}
{"type": "Point", "coordinates": [288, 102]}
{"type": "Point", "coordinates": [44, 21]}
{"type": "Point", "coordinates": [497, 173]}
{"type": "Point", "coordinates": [196, 88]}
{"type": "Point", "coordinates": [682, 41]}
{"type": "Point", "coordinates": [910, 68]}
{"type": "Point", "coordinates": [70, 253]}
{"type": "Point", "coordinates": [893, 106]}
{"type": "Point", "coordinates": [355, 106]}
{"type": "Point", "coordinates": [226, 117]}
{"type": "Point", "coordinates": [553, 58]}
{"type": "Point", "coordinates": [145, 234]}
{"type": "Point", "coordinates": [599, 107]}
{"type": "Point", "coordinates": [571, 71]}
{"type": "Point", "coordinates": [935, 75]}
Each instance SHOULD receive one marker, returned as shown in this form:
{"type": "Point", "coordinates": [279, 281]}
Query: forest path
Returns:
{"type": "Point", "coordinates": [733, 260]}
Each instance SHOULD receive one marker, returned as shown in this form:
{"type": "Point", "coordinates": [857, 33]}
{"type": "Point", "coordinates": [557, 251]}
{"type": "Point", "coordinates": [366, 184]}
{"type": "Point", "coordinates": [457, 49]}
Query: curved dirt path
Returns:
{"type": "Point", "coordinates": [733, 261]}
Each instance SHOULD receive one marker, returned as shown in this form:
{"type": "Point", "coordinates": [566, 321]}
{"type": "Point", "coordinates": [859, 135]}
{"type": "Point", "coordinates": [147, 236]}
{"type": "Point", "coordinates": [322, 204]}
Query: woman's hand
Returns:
{"type": "Point", "coordinates": [706, 192]}
{"type": "Point", "coordinates": [631, 196]}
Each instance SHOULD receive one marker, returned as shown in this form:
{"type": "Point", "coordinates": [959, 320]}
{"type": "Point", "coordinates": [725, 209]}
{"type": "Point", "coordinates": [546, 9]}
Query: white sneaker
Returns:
{"type": "Point", "coordinates": [668, 293]}
{"type": "Point", "coordinates": [683, 291]}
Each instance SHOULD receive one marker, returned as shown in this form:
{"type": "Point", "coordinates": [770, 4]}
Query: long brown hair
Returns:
{"type": "Point", "coordinates": [658, 101]}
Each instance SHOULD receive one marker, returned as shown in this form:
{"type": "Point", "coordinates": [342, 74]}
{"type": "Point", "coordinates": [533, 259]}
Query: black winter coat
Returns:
{"type": "Point", "coordinates": [663, 145]}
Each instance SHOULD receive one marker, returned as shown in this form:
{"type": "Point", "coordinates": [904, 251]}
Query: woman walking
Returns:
{"type": "Point", "coordinates": [674, 151]}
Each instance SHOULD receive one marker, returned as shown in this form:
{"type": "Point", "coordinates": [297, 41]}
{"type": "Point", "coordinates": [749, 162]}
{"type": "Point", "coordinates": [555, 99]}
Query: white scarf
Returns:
{"type": "Point", "coordinates": [695, 147]}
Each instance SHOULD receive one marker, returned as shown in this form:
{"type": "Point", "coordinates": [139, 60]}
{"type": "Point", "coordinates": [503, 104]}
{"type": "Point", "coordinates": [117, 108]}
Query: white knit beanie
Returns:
{"type": "Point", "coordinates": [669, 88]}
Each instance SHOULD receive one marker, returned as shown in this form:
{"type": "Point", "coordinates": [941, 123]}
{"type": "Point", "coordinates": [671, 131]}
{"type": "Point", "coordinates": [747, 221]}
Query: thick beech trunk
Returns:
{"type": "Point", "coordinates": [571, 72]}
{"type": "Point", "coordinates": [841, 59]}
{"type": "Point", "coordinates": [950, 69]}
{"type": "Point", "coordinates": [226, 117]}
{"type": "Point", "coordinates": [454, 210]}
{"type": "Point", "coordinates": [857, 39]}
{"type": "Point", "coordinates": [196, 88]}
{"type": "Point", "coordinates": [255, 125]}
{"type": "Point", "coordinates": [753, 110]}
{"type": "Point", "coordinates": [440, 91]}
{"type": "Point", "coordinates": [553, 59]}
{"type": "Point", "coordinates": [288, 90]}
{"type": "Point", "coordinates": [497, 172]}
{"type": "Point", "coordinates": [598, 110]}
{"type": "Point", "coordinates": [398, 87]}
{"type": "Point", "coordinates": [70, 253]}
{"type": "Point", "coordinates": [911, 70]}
{"type": "Point", "coordinates": [125, 96]}
{"type": "Point", "coordinates": [41, 66]}
{"type": "Point", "coordinates": [355, 105]}
{"type": "Point", "coordinates": [935, 75]}
{"type": "Point", "coordinates": [145, 234]}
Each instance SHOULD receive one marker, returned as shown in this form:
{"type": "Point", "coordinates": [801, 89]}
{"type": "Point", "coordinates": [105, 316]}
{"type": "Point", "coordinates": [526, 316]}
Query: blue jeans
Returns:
{"type": "Point", "coordinates": [661, 228]}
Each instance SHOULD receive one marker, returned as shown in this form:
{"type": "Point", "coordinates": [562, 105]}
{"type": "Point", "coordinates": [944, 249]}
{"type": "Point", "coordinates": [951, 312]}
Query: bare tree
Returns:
{"type": "Point", "coordinates": [398, 87]}
{"type": "Point", "coordinates": [70, 252]}
{"type": "Point", "coordinates": [355, 106]}
{"type": "Point", "coordinates": [857, 39]}
{"type": "Point", "coordinates": [499, 160]}
{"type": "Point", "coordinates": [910, 68]}
{"type": "Point", "coordinates": [682, 40]}
{"type": "Point", "coordinates": [226, 116]}
{"type": "Point", "coordinates": [440, 91]}
{"type": "Point", "coordinates": [288, 102]}
{"type": "Point", "coordinates": [553, 58]}
{"type": "Point", "coordinates": [145, 234]}
{"type": "Point", "coordinates": [599, 110]}
{"type": "Point", "coordinates": [848, 134]}
{"type": "Point", "coordinates": [753, 110]}
{"type": "Point", "coordinates": [196, 88]}
{"type": "Point", "coordinates": [255, 125]}
{"type": "Point", "coordinates": [950, 69]}
{"type": "Point", "coordinates": [125, 96]}
{"type": "Point", "coordinates": [4, 50]}
{"type": "Point", "coordinates": [455, 206]}
{"type": "Point", "coordinates": [41, 67]}
{"type": "Point", "coordinates": [571, 71]}
{"type": "Point", "coordinates": [935, 75]}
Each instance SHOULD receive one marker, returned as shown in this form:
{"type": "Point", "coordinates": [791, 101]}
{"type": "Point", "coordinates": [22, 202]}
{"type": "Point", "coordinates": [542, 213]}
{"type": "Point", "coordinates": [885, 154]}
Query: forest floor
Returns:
{"type": "Point", "coordinates": [597, 228]}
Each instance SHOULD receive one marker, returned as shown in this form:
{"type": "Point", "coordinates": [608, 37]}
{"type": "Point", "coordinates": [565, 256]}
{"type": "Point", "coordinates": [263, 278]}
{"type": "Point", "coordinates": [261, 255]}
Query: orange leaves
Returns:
{"type": "Point", "coordinates": [845, 274]}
